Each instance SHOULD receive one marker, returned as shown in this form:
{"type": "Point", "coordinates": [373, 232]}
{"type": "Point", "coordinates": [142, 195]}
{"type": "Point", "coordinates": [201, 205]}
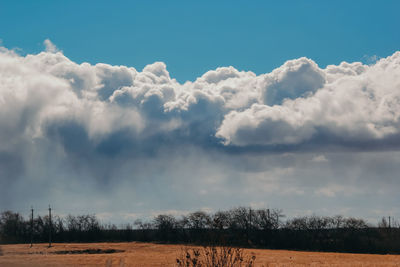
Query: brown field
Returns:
{"type": "Point", "coordinates": [148, 254]}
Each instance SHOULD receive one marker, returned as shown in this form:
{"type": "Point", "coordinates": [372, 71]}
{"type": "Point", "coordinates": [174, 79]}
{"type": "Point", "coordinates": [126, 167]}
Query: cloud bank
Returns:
{"type": "Point", "coordinates": [59, 118]}
{"type": "Point", "coordinates": [296, 103]}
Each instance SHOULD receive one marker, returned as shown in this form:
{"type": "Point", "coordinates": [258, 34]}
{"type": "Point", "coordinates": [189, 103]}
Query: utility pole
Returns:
{"type": "Point", "coordinates": [50, 226]}
{"type": "Point", "coordinates": [389, 223]}
{"type": "Point", "coordinates": [250, 217]}
{"type": "Point", "coordinates": [249, 227]}
{"type": "Point", "coordinates": [31, 226]}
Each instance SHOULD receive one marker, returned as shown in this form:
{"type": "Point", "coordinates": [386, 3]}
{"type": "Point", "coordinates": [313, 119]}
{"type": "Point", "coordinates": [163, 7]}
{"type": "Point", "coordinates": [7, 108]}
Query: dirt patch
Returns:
{"type": "Point", "coordinates": [89, 251]}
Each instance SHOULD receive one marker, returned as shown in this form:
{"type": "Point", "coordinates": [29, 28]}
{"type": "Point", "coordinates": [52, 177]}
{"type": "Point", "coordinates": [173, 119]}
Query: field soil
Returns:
{"type": "Point", "coordinates": [149, 254]}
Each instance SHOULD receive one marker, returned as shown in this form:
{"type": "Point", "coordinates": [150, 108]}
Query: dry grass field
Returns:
{"type": "Point", "coordinates": [148, 254]}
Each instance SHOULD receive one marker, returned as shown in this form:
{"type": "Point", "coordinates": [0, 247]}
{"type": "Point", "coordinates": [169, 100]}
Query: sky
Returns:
{"type": "Point", "coordinates": [129, 109]}
{"type": "Point", "coordinates": [192, 37]}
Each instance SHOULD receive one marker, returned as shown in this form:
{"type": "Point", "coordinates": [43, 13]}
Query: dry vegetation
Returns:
{"type": "Point", "coordinates": [215, 257]}
{"type": "Point", "coordinates": [148, 254]}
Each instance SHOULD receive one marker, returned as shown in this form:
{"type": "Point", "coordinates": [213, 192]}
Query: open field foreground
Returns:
{"type": "Point", "coordinates": [148, 254]}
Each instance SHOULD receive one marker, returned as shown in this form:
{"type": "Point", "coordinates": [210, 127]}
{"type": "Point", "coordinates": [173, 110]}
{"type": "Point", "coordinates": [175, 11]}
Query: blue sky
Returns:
{"type": "Point", "coordinates": [192, 37]}
{"type": "Point", "coordinates": [128, 138]}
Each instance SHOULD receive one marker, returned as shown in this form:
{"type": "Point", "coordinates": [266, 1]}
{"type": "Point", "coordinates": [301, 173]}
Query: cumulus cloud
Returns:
{"type": "Point", "coordinates": [101, 123]}
{"type": "Point", "coordinates": [296, 103]}
{"type": "Point", "coordinates": [296, 78]}
{"type": "Point", "coordinates": [355, 105]}
{"type": "Point", "coordinates": [50, 47]}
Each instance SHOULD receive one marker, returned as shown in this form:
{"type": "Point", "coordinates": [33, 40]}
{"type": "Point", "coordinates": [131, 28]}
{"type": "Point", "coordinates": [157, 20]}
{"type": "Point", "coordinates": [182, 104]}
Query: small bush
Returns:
{"type": "Point", "coordinates": [215, 257]}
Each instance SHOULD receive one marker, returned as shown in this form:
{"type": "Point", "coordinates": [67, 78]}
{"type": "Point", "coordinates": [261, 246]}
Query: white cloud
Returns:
{"type": "Point", "coordinates": [50, 47]}
{"type": "Point", "coordinates": [296, 103]}
{"type": "Point", "coordinates": [265, 125]}
{"type": "Point", "coordinates": [296, 78]}
{"type": "Point", "coordinates": [356, 104]}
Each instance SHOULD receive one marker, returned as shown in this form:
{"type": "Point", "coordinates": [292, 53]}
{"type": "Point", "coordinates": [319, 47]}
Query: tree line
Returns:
{"type": "Point", "coordinates": [242, 226]}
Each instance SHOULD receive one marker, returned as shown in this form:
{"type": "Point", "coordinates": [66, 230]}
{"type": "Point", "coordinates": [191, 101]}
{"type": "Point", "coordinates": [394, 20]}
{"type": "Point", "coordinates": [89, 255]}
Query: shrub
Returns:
{"type": "Point", "coordinates": [215, 257]}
